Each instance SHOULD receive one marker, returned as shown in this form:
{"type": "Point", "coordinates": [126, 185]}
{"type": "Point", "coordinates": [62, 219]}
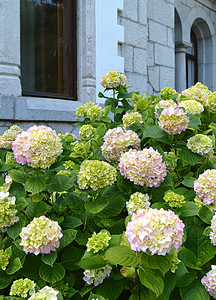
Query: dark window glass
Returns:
{"type": "Point", "coordinates": [48, 48]}
{"type": "Point", "coordinates": [192, 62]}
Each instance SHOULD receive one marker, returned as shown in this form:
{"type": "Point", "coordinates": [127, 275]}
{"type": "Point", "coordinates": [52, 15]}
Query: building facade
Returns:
{"type": "Point", "coordinates": [156, 43]}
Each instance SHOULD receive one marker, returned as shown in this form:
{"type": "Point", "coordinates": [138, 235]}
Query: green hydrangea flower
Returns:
{"type": "Point", "coordinates": [7, 209]}
{"type": "Point", "coordinates": [62, 287]}
{"type": "Point", "coordinates": [10, 160]}
{"type": "Point", "coordinates": [174, 261]}
{"type": "Point", "coordinates": [211, 102]}
{"type": "Point", "coordinates": [86, 132]}
{"type": "Point", "coordinates": [95, 113]}
{"type": "Point", "coordinates": [22, 287]}
{"type": "Point", "coordinates": [131, 118]}
{"type": "Point", "coordinates": [96, 174]}
{"type": "Point", "coordinates": [192, 107]}
{"type": "Point", "coordinates": [9, 136]}
{"type": "Point", "coordinates": [98, 241]}
{"type": "Point", "coordinates": [170, 160]}
{"type": "Point", "coordinates": [4, 259]}
{"type": "Point", "coordinates": [69, 164]}
{"type": "Point", "coordinates": [201, 144]}
{"type": "Point", "coordinates": [174, 200]}
{"type": "Point", "coordinates": [137, 201]}
{"type": "Point", "coordinates": [167, 92]}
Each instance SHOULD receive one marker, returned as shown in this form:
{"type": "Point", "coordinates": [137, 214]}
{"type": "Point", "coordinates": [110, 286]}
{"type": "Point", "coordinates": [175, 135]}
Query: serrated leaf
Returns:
{"type": "Point", "coordinates": [150, 280]}
{"type": "Point", "coordinates": [188, 258]}
{"type": "Point", "coordinates": [194, 121]}
{"type": "Point", "coordinates": [71, 222]}
{"type": "Point", "coordinates": [115, 206]}
{"type": "Point", "coordinates": [97, 206]}
{"type": "Point", "coordinates": [190, 157]}
{"type": "Point", "coordinates": [68, 236]}
{"type": "Point", "coordinates": [188, 209]}
{"type": "Point", "coordinates": [158, 134]}
{"type": "Point", "coordinates": [52, 274]}
{"type": "Point", "coordinates": [186, 279]}
{"type": "Point", "coordinates": [205, 214]}
{"type": "Point", "coordinates": [123, 256]}
{"type": "Point", "coordinates": [35, 185]}
{"type": "Point", "coordinates": [207, 165]}
{"type": "Point", "coordinates": [195, 291]}
{"type": "Point", "coordinates": [49, 259]}
{"type": "Point", "coordinates": [14, 266]}
{"type": "Point", "coordinates": [14, 230]}
{"type": "Point", "coordinates": [95, 296]}
{"type": "Point", "coordinates": [59, 183]}
{"type": "Point", "coordinates": [91, 262]}
{"type": "Point", "coordinates": [206, 252]}
{"type": "Point", "coordinates": [70, 257]}
{"type": "Point", "coordinates": [156, 262]}
{"type": "Point", "coordinates": [110, 289]}
{"type": "Point", "coordinates": [189, 182]}
{"type": "Point", "coordinates": [5, 280]}
{"type": "Point", "coordinates": [18, 176]}
{"type": "Point", "coordinates": [75, 203]}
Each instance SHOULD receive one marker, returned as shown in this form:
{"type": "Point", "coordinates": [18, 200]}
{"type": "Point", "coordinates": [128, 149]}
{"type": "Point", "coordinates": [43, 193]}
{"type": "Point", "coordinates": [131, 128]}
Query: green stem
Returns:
{"type": "Point", "coordinates": [114, 106]}
{"type": "Point", "coordinates": [175, 142]}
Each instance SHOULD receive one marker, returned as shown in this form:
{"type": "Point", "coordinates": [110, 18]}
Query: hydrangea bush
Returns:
{"type": "Point", "coordinates": [127, 211]}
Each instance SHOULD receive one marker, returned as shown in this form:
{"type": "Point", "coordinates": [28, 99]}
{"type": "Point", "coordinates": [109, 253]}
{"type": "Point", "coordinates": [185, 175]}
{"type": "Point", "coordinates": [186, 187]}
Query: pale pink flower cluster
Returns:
{"type": "Point", "coordinates": [198, 92]}
{"type": "Point", "coordinates": [173, 120]}
{"type": "Point", "coordinates": [213, 232]}
{"type": "Point", "coordinates": [155, 230]}
{"type": "Point", "coordinates": [46, 293]}
{"type": "Point", "coordinates": [40, 236]}
{"type": "Point", "coordinates": [205, 187]}
{"type": "Point", "coordinates": [209, 282]}
{"type": "Point", "coordinates": [143, 167]}
{"type": "Point", "coordinates": [97, 276]}
{"type": "Point", "coordinates": [39, 146]}
{"type": "Point", "coordinates": [117, 141]}
{"type": "Point", "coordinates": [164, 104]}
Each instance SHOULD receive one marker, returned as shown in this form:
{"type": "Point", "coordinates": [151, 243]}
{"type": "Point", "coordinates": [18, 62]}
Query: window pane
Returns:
{"type": "Point", "coordinates": [44, 46]}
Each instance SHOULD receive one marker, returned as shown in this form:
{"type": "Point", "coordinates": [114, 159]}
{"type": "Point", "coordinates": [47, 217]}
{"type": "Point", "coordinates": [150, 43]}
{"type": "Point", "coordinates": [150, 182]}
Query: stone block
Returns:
{"type": "Point", "coordinates": [135, 34]}
{"type": "Point", "coordinates": [138, 82]}
{"type": "Point", "coordinates": [157, 32]}
{"type": "Point", "coordinates": [130, 10]}
{"type": "Point", "coordinates": [6, 107]}
{"type": "Point", "coordinates": [164, 55]}
{"type": "Point", "coordinates": [142, 11]}
{"type": "Point", "coordinates": [167, 76]}
{"type": "Point", "coordinates": [162, 12]}
{"type": "Point", "coordinates": [150, 54]}
{"type": "Point", "coordinates": [170, 37]}
{"type": "Point", "coordinates": [127, 53]}
{"type": "Point", "coordinates": [140, 63]}
{"type": "Point", "coordinates": [154, 77]}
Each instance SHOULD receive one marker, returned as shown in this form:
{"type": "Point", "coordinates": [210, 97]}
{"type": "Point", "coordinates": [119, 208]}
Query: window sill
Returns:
{"type": "Point", "coordinates": [37, 109]}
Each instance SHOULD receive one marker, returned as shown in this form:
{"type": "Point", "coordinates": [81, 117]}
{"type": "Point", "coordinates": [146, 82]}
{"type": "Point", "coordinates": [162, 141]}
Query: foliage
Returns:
{"type": "Point", "coordinates": [80, 218]}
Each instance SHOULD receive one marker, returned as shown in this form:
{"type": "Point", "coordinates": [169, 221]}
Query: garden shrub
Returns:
{"type": "Point", "coordinates": [125, 212]}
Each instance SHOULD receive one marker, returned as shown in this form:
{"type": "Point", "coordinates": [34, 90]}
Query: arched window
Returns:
{"type": "Point", "coordinates": [192, 62]}
{"type": "Point", "coordinates": [48, 48]}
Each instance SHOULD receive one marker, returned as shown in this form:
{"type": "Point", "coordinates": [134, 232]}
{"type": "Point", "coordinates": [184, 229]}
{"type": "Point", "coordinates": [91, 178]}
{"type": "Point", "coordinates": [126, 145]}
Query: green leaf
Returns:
{"type": "Point", "coordinates": [5, 280]}
{"type": "Point", "coordinates": [95, 296]}
{"type": "Point", "coordinates": [14, 266]}
{"type": "Point", "coordinates": [110, 289]}
{"type": "Point", "coordinates": [189, 182]}
{"type": "Point", "coordinates": [206, 252]}
{"type": "Point", "coordinates": [35, 185]}
{"type": "Point", "coordinates": [17, 190]}
{"type": "Point", "coordinates": [156, 262]}
{"type": "Point", "coordinates": [68, 236]}
{"type": "Point", "coordinates": [70, 257]}
{"type": "Point", "coordinates": [150, 280]}
{"type": "Point", "coordinates": [205, 214]}
{"type": "Point", "coordinates": [18, 176]}
{"type": "Point", "coordinates": [188, 209]}
{"type": "Point", "coordinates": [195, 291]}
{"type": "Point", "coordinates": [49, 259]}
{"type": "Point", "coordinates": [37, 209]}
{"type": "Point", "coordinates": [31, 267]}
{"type": "Point", "coordinates": [52, 274]}
{"type": "Point", "coordinates": [195, 237]}
{"type": "Point", "coordinates": [75, 203]}
{"type": "Point", "coordinates": [91, 262]}
{"type": "Point", "coordinates": [71, 222]}
{"type": "Point", "coordinates": [59, 183]}
{"type": "Point", "coordinates": [207, 165]}
{"type": "Point", "coordinates": [123, 256]}
{"type": "Point", "coordinates": [188, 258]}
{"type": "Point", "coordinates": [15, 230]}
{"type": "Point", "coordinates": [194, 121]}
{"type": "Point", "coordinates": [158, 134]}
{"type": "Point", "coordinates": [4, 167]}
{"type": "Point", "coordinates": [97, 206]}
{"type": "Point", "coordinates": [186, 279]}
{"type": "Point", "coordinates": [190, 157]}
{"type": "Point", "coordinates": [116, 204]}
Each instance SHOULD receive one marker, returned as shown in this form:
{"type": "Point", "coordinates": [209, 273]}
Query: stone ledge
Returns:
{"type": "Point", "coordinates": [37, 109]}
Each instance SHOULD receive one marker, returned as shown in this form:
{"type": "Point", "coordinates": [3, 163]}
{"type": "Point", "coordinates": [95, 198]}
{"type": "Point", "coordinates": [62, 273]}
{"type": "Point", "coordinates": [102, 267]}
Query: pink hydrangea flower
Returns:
{"type": "Point", "coordinates": [39, 146]}
{"type": "Point", "coordinates": [40, 236]}
{"type": "Point", "coordinates": [155, 230]}
{"type": "Point", "coordinates": [164, 104]}
{"type": "Point", "coordinates": [209, 282]}
{"type": "Point", "coordinates": [143, 167]}
{"type": "Point", "coordinates": [117, 141]}
{"type": "Point", "coordinates": [173, 120]}
{"type": "Point", "coordinates": [205, 187]}
{"type": "Point", "coordinates": [213, 232]}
